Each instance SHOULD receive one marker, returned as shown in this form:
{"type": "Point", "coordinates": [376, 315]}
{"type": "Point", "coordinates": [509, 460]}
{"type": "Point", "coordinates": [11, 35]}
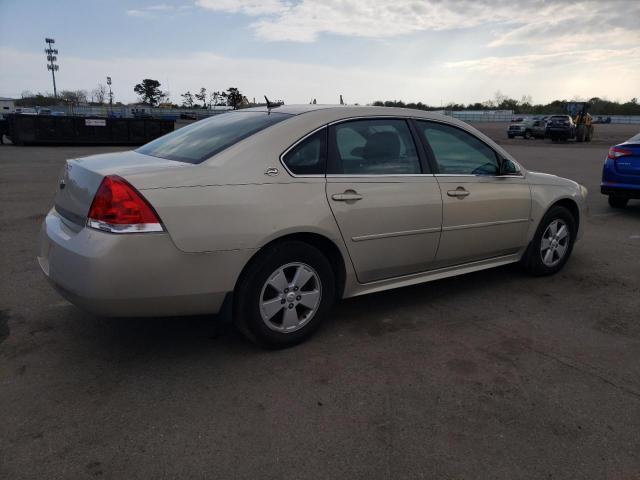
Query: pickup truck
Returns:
{"type": "Point", "coordinates": [527, 128]}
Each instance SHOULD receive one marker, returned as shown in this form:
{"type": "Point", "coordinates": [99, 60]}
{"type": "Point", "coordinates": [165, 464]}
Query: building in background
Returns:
{"type": "Point", "coordinates": [7, 105]}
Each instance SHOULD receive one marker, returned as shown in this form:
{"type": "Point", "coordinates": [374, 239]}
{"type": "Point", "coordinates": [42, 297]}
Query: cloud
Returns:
{"type": "Point", "coordinates": [246, 7]}
{"type": "Point", "coordinates": [515, 22]}
{"type": "Point", "coordinates": [599, 58]}
{"type": "Point", "coordinates": [552, 76]}
{"type": "Point", "coordinates": [152, 11]}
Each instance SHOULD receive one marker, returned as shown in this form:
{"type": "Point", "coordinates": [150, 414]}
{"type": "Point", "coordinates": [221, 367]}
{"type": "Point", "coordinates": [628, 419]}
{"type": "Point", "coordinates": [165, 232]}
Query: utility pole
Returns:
{"type": "Point", "coordinates": [110, 94]}
{"type": "Point", "coordinates": [51, 58]}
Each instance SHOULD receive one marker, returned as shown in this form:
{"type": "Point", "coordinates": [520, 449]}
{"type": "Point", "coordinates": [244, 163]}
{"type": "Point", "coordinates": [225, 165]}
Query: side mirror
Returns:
{"type": "Point", "coordinates": [507, 167]}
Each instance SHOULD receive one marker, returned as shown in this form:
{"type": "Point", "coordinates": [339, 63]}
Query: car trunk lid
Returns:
{"type": "Point", "coordinates": [629, 164]}
{"type": "Point", "coordinates": [80, 179]}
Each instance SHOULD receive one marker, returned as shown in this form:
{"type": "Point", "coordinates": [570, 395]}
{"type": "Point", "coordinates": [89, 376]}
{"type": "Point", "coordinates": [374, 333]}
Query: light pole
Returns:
{"type": "Point", "coordinates": [51, 58]}
{"type": "Point", "coordinates": [110, 95]}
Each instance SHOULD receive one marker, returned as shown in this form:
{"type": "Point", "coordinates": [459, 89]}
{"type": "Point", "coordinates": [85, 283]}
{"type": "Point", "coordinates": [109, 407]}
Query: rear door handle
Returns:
{"type": "Point", "coordinates": [459, 192]}
{"type": "Point", "coordinates": [349, 195]}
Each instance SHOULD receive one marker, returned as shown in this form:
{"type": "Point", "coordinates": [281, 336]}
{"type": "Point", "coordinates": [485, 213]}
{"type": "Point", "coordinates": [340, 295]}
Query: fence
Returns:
{"type": "Point", "coordinates": [48, 129]}
{"type": "Point", "coordinates": [507, 116]}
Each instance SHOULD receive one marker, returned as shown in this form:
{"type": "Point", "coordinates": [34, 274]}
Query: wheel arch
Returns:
{"type": "Point", "coordinates": [323, 243]}
{"type": "Point", "coordinates": [570, 205]}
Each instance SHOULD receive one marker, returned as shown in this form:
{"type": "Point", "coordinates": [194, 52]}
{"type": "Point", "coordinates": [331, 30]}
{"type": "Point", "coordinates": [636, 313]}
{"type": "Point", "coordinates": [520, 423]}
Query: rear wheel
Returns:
{"type": "Point", "coordinates": [284, 294]}
{"type": "Point", "coordinates": [552, 244]}
{"type": "Point", "coordinates": [618, 202]}
{"type": "Point", "coordinates": [510, 136]}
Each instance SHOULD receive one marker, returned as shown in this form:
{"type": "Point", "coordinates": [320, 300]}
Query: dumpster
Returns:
{"type": "Point", "coordinates": [70, 130]}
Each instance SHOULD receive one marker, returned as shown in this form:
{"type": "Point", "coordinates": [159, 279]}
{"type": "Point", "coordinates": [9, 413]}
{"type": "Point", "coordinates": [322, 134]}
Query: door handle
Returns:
{"type": "Point", "coordinates": [459, 192]}
{"type": "Point", "coordinates": [347, 196]}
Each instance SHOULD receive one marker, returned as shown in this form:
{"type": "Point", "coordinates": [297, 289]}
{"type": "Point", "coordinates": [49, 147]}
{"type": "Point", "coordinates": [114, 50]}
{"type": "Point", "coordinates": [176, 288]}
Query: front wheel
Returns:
{"type": "Point", "coordinates": [527, 135]}
{"type": "Point", "coordinates": [552, 244]}
{"type": "Point", "coordinates": [283, 295]}
{"type": "Point", "coordinates": [618, 202]}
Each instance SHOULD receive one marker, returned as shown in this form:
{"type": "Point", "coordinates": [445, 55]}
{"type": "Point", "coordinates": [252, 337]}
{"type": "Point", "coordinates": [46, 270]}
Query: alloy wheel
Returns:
{"type": "Point", "coordinates": [290, 297]}
{"type": "Point", "coordinates": [554, 243]}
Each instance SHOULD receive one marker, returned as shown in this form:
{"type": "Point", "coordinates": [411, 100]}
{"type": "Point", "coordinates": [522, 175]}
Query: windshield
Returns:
{"type": "Point", "coordinates": [201, 140]}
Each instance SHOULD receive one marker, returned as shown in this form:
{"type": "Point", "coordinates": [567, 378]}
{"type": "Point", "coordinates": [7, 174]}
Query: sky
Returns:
{"type": "Point", "coordinates": [434, 51]}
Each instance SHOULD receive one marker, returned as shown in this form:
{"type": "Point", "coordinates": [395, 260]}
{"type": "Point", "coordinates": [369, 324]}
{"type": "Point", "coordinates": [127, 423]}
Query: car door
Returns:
{"type": "Point", "coordinates": [485, 214]}
{"type": "Point", "coordinates": [385, 200]}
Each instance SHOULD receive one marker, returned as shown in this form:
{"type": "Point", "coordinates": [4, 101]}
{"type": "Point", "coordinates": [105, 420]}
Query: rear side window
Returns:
{"type": "Point", "coordinates": [375, 147]}
{"type": "Point", "coordinates": [309, 157]}
{"type": "Point", "coordinates": [201, 140]}
{"type": "Point", "coordinates": [458, 152]}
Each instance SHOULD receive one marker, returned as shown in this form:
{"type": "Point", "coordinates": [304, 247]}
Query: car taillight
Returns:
{"type": "Point", "coordinates": [118, 207]}
{"type": "Point", "coordinates": [617, 152]}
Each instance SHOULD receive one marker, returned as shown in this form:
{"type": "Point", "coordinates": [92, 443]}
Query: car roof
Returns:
{"type": "Point", "coordinates": [336, 112]}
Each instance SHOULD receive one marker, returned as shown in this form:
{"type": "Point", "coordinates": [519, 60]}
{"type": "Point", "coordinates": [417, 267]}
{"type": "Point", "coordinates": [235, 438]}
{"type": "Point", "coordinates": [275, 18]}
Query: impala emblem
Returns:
{"type": "Point", "coordinates": [62, 184]}
{"type": "Point", "coordinates": [271, 171]}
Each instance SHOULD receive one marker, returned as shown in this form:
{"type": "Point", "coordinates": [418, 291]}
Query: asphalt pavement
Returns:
{"type": "Point", "coordinates": [489, 375]}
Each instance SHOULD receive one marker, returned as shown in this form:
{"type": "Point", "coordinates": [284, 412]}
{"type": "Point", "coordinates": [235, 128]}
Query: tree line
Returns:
{"type": "Point", "coordinates": [598, 105]}
{"type": "Point", "coordinates": [149, 91]}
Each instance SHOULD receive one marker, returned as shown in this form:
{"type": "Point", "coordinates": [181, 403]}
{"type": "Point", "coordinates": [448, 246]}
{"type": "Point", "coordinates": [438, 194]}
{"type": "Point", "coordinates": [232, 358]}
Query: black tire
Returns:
{"type": "Point", "coordinates": [510, 136]}
{"type": "Point", "coordinates": [527, 135]}
{"type": "Point", "coordinates": [532, 259]}
{"type": "Point", "coordinates": [247, 295]}
{"type": "Point", "coordinates": [554, 139]}
{"type": "Point", "coordinates": [618, 202]}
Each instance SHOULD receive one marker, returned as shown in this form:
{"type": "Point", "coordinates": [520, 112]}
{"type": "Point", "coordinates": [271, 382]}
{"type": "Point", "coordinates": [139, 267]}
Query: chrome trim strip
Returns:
{"type": "Point", "coordinates": [377, 236]}
{"type": "Point", "coordinates": [476, 176]}
{"type": "Point", "coordinates": [113, 228]}
{"type": "Point", "coordinates": [373, 175]}
{"type": "Point", "coordinates": [484, 224]}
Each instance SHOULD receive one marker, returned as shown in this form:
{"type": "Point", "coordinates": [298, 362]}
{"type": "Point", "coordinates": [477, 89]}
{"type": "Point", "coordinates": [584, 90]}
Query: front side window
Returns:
{"type": "Point", "coordinates": [201, 140]}
{"type": "Point", "coordinates": [309, 157]}
{"type": "Point", "coordinates": [375, 147]}
{"type": "Point", "coordinates": [458, 152]}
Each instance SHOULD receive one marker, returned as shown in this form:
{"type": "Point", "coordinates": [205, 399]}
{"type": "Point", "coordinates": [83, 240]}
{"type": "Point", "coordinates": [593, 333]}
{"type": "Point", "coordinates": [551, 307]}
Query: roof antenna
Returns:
{"type": "Point", "coordinates": [269, 104]}
{"type": "Point", "coordinates": [341, 101]}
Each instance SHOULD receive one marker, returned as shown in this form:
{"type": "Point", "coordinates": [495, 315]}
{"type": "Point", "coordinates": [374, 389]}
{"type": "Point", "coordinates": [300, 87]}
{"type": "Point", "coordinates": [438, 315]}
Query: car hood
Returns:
{"type": "Point", "coordinates": [539, 178]}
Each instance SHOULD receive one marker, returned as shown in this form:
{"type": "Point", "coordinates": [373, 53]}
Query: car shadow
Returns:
{"type": "Point", "coordinates": [143, 339]}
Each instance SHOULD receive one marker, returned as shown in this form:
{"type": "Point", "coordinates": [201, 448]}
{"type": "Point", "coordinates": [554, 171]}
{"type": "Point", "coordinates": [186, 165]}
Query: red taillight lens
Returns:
{"type": "Point", "coordinates": [617, 152]}
{"type": "Point", "coordinates": [119, 207]}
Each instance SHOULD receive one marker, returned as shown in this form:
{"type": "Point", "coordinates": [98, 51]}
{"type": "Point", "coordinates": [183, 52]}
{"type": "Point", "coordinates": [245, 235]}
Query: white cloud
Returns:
{"type": "Point", "coordinates": [516, 22]}
{"type": "Point", "coordinates": [611, 73]}
{"type": "Point", "coordinates": [246, 7]}
{"type": "Point", "coordinates": [152, 11]}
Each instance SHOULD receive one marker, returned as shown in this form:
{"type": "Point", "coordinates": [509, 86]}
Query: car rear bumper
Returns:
{"type": "Point", "coordinates": [624, 190]}
{"type": "Point", "coordinates": [134, 274]}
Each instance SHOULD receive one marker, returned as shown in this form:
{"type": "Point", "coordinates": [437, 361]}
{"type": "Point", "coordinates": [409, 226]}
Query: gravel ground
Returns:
{"type": "Point", "coordinates": [489, 375]}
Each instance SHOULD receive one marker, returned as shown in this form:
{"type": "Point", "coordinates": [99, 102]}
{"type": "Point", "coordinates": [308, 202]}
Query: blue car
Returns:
{"type": "Point", "coordinates": [621, 173]}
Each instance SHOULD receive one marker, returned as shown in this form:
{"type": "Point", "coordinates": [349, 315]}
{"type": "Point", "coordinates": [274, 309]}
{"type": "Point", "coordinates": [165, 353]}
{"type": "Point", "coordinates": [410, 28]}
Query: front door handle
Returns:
{"type": "Point", "coordinates": [347, 196]}
{"type": "Point", "coordinates": [459, 192]}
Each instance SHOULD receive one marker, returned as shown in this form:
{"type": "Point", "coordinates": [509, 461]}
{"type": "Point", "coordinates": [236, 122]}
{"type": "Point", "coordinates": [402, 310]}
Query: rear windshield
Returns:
{"type": "Point", "coordinates": [201, 140]}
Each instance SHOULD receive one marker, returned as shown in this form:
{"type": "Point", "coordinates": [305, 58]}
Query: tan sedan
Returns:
{"type": "Point", "coordinates": [272, 216]}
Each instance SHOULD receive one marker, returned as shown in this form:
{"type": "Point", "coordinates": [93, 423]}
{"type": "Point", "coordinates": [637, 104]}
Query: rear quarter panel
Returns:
{"type": "Point", "coordinates": [243, 216]}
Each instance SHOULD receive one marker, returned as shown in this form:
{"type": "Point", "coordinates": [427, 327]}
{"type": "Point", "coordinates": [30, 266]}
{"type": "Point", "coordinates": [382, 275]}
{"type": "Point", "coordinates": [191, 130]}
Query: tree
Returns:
{"type": "Point", "coordinates": [215, 97]}
{"type": "Point", "coordinates": [202, 96]}
{"type": "Point", "coordinates": [99, 93]}
{"type": "Point", "coordinates": [187, 100]}
{"type": "Point", "coordinates": [149, 91]}
{"type": "Point", "coordinates": [234, 97]}
{"type": "Point", "coordinates": [73, 97]}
